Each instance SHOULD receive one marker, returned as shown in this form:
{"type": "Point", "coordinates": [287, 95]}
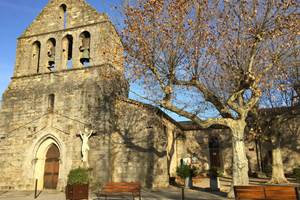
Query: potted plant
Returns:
{"type": "Point", "coordinates": [186, 172]}
{"type": "Point", "coordinates": [214, 174]}
{"type": "Point", "coordinates": [78, 184]}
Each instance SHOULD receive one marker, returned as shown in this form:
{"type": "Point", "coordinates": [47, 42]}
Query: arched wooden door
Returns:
{"type": "Point", "coordinates": [51, 167]}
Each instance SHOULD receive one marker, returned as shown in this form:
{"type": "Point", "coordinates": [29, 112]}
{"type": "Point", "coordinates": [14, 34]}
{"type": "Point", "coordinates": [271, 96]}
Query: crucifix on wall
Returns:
{"type": "Point", "coordinates": [85, 135]}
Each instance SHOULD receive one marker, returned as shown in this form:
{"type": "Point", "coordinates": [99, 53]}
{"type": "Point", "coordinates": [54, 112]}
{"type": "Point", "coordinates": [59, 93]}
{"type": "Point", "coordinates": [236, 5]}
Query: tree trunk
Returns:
{"type": "Point", "coordinates": [277, 167]}
{"type": "Point", "coordinates": [240, 161]}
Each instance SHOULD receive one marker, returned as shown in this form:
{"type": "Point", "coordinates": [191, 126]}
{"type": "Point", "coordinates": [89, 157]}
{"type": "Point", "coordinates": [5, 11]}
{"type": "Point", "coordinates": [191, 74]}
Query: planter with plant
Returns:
{"type": "Point", "coordinates": [186, 172]}
{"type": "Point", "coordinates": [78, 184]}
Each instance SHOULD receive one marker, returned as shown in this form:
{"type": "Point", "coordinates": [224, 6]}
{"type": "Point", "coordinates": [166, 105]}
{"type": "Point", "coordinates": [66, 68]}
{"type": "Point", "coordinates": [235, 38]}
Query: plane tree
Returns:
{"type": "Point", "coordinates": [276, 118]}
{"type": "Point", "coordinates": [209, 61]}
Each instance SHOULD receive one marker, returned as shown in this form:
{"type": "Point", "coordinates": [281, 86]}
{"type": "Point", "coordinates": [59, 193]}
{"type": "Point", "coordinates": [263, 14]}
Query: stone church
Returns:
{"type": "Point", "coordinates": [69, 77]}
{"type": "Point", "coordinates": [69, 80]}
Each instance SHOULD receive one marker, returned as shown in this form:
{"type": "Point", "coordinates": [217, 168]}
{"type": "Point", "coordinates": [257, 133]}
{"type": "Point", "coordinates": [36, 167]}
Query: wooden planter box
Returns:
{"type": "Point", "coordinates": [77, 192]}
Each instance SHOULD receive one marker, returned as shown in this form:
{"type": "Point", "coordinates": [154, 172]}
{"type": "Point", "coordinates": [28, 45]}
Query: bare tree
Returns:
{"type": "Point", "coordinates": [280, 102]}
{"type": "Point", "coordinates": [295, 83]}
{"type": "Point", "coordinates": [199, 56]}
{"type": "Point", "coordinates": [272, 126]}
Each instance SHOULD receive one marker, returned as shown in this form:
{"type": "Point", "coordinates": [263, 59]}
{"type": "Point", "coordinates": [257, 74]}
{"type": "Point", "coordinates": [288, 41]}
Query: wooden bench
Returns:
{"type": "Point", "coordinates": [121, 188]}
{"type": "Point", "coordinates": [269, 192]}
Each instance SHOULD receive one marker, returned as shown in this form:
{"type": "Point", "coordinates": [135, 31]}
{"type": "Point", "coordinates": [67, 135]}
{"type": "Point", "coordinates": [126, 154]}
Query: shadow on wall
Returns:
{"type": "Point", "coordinates": [211, 149]}
{"type": "Point", "coordinates": [141, 136]}
{"type": "Point", "coordinates": [290, 147]}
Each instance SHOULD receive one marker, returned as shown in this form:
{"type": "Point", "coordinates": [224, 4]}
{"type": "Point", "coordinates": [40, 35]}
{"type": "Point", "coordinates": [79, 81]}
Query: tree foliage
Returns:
{"type": "Point", "coordinates": [219, 53]}
{"type": "Point", "coordinates": [192, 56]}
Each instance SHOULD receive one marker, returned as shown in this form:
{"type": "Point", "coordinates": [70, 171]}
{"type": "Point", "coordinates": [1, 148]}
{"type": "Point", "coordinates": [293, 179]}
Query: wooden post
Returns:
{"type": "Point", "coordinates": [35, 189]}
{"type": "Point", "coordinates": [182, 193]}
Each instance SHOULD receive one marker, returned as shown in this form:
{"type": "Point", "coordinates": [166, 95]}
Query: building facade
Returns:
{"type": "Point", "coordinates": [69, 78]}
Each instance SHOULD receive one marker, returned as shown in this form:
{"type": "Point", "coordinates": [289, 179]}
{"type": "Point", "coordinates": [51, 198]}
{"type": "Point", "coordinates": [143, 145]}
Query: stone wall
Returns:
{"type": "Point", "coordinates": [82, 97]}
{"type": "Point", "coordinates": [139, 145]}
{"type": "Point", "coordinates": [79, 13]}
{"type": "Point", "coordinates": [290, 135]}
{"type": "Point", "coordinates": [130, 140]}
{"type": "Point", "coordinates": [174, 133]}
{"type": "Point", "coordinates": [45, 106]}
{"type": "Point", "coordinates": [196, 141]}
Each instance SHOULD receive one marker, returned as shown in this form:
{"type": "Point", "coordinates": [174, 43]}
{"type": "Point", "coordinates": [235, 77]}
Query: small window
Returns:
{"type": "Point", "coordinates": [51, 102]}
{"type": "Point", "coordinates": [63, 15]}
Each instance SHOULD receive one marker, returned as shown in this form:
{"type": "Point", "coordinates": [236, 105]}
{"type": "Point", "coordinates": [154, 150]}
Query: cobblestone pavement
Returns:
{"type": "Point", "coordinates": [162, 194]}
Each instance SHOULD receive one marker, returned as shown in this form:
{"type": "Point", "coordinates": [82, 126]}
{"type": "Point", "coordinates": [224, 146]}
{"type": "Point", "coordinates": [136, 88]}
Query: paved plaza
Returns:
{"type": "Point", "coordinates": [162, 194]}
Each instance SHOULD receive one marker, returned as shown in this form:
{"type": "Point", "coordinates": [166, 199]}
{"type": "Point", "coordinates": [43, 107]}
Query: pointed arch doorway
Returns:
{"type": "Point", "coordinates": [51, 170]}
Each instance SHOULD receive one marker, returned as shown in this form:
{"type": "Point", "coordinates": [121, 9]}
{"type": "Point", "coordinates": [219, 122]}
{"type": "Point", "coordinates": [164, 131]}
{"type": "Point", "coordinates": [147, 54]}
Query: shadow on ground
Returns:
{"type": "Point", "coordinates": [174, 193]}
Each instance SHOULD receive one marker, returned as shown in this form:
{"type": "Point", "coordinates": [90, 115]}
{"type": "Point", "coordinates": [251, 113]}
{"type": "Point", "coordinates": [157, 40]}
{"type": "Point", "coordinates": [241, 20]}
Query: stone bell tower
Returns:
{"type": "Point", "coordinates": [68, 73]}
{"type": "Point", "coordinates": [68, 34]}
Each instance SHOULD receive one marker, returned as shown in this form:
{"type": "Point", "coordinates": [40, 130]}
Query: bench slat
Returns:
{"type": "Point", "coordinates": [121, 188]}
{"type": "Point", "coordinates": [265, 192]}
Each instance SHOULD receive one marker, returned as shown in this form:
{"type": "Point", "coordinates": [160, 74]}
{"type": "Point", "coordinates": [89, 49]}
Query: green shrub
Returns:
{"type": "Point", "coordinates": [296, 174]}
{"type": "Point", "coordinates": [185, 171]}
{"type": "Point", "coordinates": [78, 176]}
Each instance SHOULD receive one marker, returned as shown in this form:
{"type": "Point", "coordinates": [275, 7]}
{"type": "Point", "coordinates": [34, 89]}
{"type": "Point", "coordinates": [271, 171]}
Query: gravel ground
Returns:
{"type": "Point", "coordinates": [171, 193]}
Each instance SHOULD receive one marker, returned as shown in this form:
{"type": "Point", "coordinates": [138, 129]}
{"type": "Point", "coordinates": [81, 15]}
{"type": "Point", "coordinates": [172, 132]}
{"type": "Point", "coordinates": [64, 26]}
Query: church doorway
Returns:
{"type": "Point", "coordinates": [51, 170]}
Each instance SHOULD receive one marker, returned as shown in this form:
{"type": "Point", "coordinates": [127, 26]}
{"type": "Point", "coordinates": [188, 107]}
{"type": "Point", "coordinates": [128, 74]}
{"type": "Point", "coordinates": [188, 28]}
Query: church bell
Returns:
{"type": "Point", "coordinates": [51, 56]}
{"type": "Point", "coordinates": [85, 56]}
{"type": "Point", "coordinates": [51, 61]}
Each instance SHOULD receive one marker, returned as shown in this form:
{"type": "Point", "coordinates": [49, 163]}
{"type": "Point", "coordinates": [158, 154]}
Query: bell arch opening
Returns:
{"type": "Point", "coordinates": [51, 45]}
{"type": "Point", "coordinates": [67, 52]}
{"type": "Point", "coordinates": [36, 55]}
{"type": "Point", "coordinates": [85, 38]}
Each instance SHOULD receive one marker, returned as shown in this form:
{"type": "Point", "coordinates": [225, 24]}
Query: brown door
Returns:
{"type": "Point", "coordinates": [51, 168]}
{"type": "Point", "coordinates": [214, 153]}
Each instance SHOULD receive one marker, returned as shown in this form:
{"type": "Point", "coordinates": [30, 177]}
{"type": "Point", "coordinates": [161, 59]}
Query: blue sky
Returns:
{"type": "Point", "coordinates": [16, 15]}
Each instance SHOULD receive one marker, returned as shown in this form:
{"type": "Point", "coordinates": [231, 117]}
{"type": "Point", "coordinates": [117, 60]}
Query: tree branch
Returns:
{"type": "Point", "coordinates": [208, 95]}
{"type": "Point", "coordinates": [202, 123]}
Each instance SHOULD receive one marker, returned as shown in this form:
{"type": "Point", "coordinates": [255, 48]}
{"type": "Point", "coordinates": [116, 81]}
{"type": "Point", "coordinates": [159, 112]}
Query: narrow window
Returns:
{"type": "Point", "coordinates": [67, 52]}
{"type": "Point", "coordinates": [84, 48]}
{"type": "Point", "coordinates": [51, 44]}
{"type": "Point", "coordinates": [63, 15]}
{"type": "Point", "coordinates": [36, 54]}
{"type": "Point", "coordinates": [51, 102]}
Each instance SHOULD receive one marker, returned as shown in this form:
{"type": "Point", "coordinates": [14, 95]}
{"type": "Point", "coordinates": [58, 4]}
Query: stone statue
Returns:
{"type": "Point", "coordinates": [85, 145]}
